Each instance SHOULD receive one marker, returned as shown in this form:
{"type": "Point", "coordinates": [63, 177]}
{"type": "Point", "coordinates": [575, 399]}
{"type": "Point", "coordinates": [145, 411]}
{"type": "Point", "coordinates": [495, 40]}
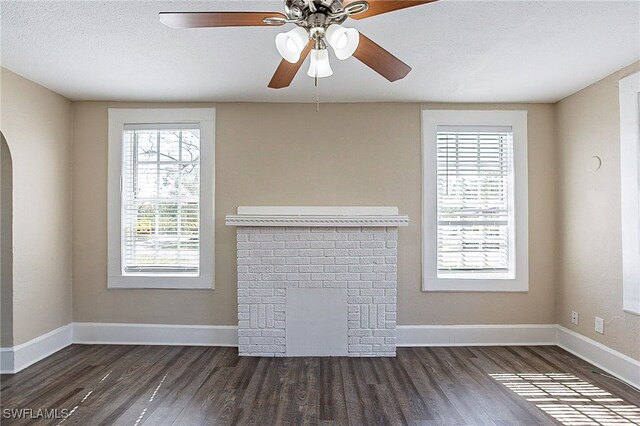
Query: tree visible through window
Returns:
{"type": "Point", "coordinates": [161, 200]}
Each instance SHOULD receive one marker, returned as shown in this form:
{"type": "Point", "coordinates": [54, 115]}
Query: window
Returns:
{"type": "Point", "coordinates": [630, 190]}
{"type": "Point", "coordinates": [160, 203]}
{"type": "Point", "coordinates": [161, 198]}
{"type": "Point", "coordinates": [475, 201]}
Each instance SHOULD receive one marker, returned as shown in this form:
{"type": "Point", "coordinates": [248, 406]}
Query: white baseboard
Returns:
{"type": "Point", "coordinates": [603, 357]}
{"type": "Point", "coordinates": [155, 334]}
{"type": "Point", "coordinates": [6, 361]}
{"type": "Point", "coordinates": [476, 335]}
{"type": "Point", "coordinates": [19, 357]}
{"type": "Point", "coordinates": [408, 335]}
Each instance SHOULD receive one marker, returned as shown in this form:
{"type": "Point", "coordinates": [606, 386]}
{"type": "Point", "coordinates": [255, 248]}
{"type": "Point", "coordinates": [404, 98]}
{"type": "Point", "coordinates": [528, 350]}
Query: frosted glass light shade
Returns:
{"type": "Point", "coordinates": [319, 66]}
{"type": "Point", "coordinates": [343, 40]}
{"type": "Point", "coordinates": [291, 44]}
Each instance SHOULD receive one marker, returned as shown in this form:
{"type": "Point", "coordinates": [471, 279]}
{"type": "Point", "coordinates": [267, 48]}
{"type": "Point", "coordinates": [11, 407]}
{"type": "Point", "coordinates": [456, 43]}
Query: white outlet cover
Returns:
{"type": "Point", "coordinates": [574, 317]}
{"type": "Point", "coordinates": [599, 325]}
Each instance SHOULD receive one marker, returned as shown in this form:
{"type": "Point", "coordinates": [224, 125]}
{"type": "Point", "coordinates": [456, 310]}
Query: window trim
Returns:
{"type": "Point", "coordinates": [118, 117]}
{"type": "Point", "coordinates": [517, 120]}
{"type": "Point", "coordinates": [629, 190]}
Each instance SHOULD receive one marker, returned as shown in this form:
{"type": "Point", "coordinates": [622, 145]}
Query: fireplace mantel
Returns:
{"type": "Point", "coordinates": [317, 216]}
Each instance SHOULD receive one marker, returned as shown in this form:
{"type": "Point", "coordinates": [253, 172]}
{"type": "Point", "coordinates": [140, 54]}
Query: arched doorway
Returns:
{"type": "Point", "coordinates": [6, 245]}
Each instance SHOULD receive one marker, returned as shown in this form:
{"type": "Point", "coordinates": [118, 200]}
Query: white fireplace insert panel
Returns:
{"type": "Point", "coordinates": [316, 323]}
{"type": "Point", "coordinates": [317, 281]}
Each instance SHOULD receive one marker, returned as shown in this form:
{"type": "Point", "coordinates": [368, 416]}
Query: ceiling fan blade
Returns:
{"type": "Point", "coordinates": [217, 19]}
{"type": "Point", "coordinates": [286, 70]}
{"type": "Point", "coordinates": [378, 7]}
{"type": "Point", "coordinates": [379, 60]}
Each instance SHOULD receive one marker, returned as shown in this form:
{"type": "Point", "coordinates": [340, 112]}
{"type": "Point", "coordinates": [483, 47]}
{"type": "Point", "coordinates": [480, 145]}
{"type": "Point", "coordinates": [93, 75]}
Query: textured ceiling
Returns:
{"type": "Point", "coordinates": [460, 51]}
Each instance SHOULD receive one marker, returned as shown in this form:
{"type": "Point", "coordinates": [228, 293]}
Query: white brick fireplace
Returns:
{"type": "Point", "coordinates": [317, 281]}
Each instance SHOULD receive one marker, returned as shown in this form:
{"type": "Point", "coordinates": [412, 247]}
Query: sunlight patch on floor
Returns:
{"type": "Point", "coordinates": [73, 410]}
{"type": "Point", "coordinates": [153, 395]}
{"type": "Point", "coordinates": [571, 400]}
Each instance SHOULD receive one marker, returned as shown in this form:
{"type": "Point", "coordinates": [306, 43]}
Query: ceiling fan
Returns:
{"type": "Point", "coordinates": [318, 24]}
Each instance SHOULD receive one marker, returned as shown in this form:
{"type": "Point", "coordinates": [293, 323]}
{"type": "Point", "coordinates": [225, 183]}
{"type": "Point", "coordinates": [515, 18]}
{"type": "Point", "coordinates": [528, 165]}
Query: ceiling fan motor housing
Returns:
{"type": "Point", "coordinates": [315, 13]}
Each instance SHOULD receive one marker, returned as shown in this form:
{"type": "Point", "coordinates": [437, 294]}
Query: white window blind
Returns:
{"type": "Point", "coordinates": [160, 206]}
{"type": "Point", "coordinates": [475, 202]}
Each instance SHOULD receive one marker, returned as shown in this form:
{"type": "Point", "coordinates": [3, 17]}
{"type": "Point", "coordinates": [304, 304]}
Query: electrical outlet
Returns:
{"type": "Point", "coordinates": [574, 318]}
{"type": "Point", "coordinates": [599, 325]}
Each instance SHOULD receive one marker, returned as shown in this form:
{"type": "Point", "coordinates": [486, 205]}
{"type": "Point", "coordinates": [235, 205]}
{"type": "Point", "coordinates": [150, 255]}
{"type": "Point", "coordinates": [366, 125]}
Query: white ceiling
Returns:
{"type": "Point", "coordinates": [460, 51]}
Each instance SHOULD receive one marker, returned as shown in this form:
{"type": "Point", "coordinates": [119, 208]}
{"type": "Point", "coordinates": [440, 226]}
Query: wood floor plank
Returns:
{"type": "Point", "coordinates": [356, 395]}
{"type": "Point", "coordinates": [332, 403]}
{"type": "Point", "coordinates": [425, 382]}
{"type": "Point", "coordinates": [160, 385]}
{"type": "Point", "coordinates": [456, 387]}
{"type": "Point", "coordinates": [367, 379]}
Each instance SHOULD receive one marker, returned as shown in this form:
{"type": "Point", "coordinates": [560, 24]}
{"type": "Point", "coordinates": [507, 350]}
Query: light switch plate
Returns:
{"type": "Point", "coordinates": [599, 325]}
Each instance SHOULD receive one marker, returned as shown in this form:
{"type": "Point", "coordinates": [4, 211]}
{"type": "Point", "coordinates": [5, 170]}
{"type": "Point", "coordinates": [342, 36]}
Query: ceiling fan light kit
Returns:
{"type": "Point", "coordinates": [318, 24]}
{"type": "Point", "coordinates": [291, 44]}
{"type": "Point", "coordinates": [343, 40]}
{"type": "Point", "coordinates": [319, 66]}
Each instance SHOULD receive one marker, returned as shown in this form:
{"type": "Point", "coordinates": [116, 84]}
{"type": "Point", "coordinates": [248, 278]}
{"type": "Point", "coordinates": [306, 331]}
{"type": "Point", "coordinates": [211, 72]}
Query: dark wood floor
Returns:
{"type": "Point", "coordinates": [160, 385]}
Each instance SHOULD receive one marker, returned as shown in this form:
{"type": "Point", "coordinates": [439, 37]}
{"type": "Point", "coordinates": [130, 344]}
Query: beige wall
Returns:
{"type": "Point", "coordinates": [6, 243]}
{"type": "Point", "coordinates": [36, 123]}
{"type": "Point", "coordinates": [276, 154]}
{"type": "Point", "coordinates": [590, 273]}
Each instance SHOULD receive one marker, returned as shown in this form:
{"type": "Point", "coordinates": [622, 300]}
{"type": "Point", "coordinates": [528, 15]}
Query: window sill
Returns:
{"type": "Point", "coordinates": [475, 285]}
{"type": "Point", "coordinates": [120, 282]}
{"type": "Point", "coordinates": [475, 277]}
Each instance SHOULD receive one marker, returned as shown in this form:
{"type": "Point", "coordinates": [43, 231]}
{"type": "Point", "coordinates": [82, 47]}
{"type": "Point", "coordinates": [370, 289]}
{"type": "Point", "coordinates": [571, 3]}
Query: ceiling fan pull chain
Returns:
{"type": "Point", "coordinates": [317, 94]}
